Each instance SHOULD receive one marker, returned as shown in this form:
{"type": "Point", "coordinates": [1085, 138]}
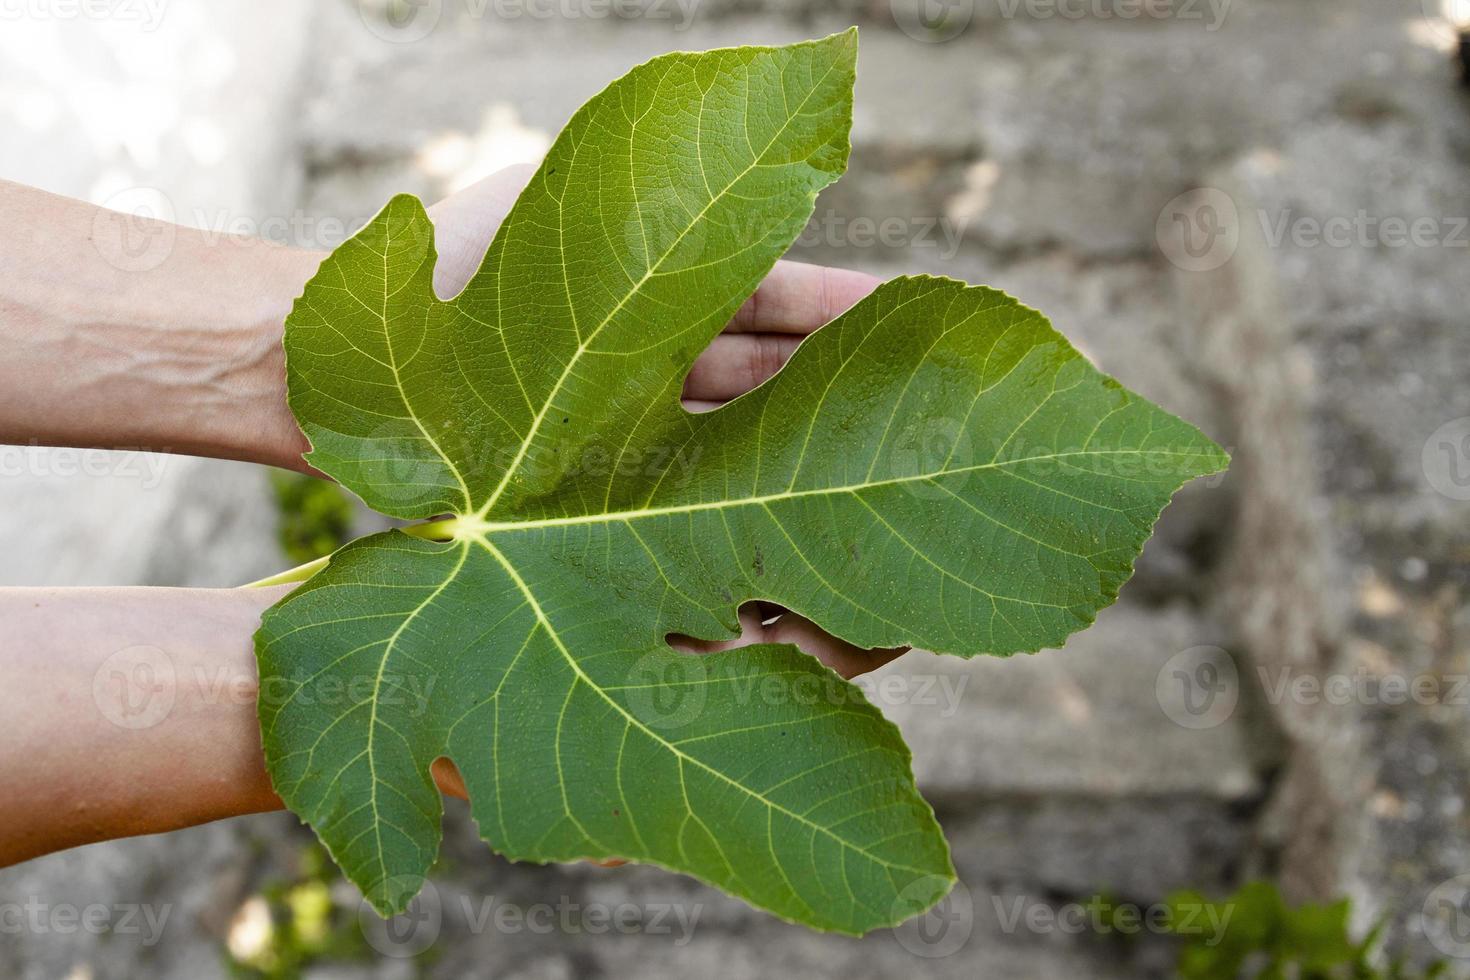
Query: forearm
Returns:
{"type": "Point", "coordinates": [120, 332]}
{"type": "Point", "coordinates": [127, 711]}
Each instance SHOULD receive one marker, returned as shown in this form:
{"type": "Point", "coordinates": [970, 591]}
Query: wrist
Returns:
{"type": "Point", "coordinates": [131, 711]}
{"type": "Point", "coordinates": [253, 422]}
{"type": "Point", "coordinates": [179, 353]}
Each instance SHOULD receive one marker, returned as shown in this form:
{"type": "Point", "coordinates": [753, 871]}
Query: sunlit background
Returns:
{"type": "Point", "coordinates": [1252, 211]}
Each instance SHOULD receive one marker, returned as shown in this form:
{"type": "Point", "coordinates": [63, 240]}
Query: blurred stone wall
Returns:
{"type": "Point", "coordinates": [1205, 197]}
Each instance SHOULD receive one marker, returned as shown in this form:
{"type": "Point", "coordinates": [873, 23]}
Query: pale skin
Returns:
{"type": "Point", "coordinates": [186, 357]}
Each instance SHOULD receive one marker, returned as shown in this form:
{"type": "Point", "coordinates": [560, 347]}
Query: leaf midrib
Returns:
{"type": "Point", "coordinates": [479, 528]}
{"type": "Point", "coordinates": [584, 345]}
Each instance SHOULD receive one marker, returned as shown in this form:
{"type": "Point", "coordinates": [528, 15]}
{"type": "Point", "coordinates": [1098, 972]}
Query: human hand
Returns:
{"type": "Point", "coordinates": [794, 299]}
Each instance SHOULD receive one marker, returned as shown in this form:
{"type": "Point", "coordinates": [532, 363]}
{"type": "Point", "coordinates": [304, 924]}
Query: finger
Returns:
{"type": "Point", "coordinates": [465, 222]}
{"type": "Point", "coordinates": [798, 298]}
{"type": "Point", "coordinates": [735, 363]}
{"type": "Point", "coordinates": [446, 774]}
{"type": "Point", "coordinates": [843, 657]}
{"type": "Point", "coordinates": [769, 612]}
{"type": "Point", "coordinates": [750, 632]}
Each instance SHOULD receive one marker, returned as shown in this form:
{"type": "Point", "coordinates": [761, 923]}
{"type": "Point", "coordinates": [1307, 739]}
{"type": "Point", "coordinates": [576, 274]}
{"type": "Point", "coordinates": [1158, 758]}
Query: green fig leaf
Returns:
{"type": "Point", "coordinates": [936, 467]}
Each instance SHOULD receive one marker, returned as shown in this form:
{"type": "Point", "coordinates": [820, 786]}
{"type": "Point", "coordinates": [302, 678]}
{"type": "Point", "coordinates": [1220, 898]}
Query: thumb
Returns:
{"type": "Point", "coordinates": [465, 222]}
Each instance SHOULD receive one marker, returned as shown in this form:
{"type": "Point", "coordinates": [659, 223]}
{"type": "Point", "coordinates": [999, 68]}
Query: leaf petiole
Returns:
{"type": "Point", "coordinates": [441, 530]}
{"type": "Point", "coordinates": [298, 574]}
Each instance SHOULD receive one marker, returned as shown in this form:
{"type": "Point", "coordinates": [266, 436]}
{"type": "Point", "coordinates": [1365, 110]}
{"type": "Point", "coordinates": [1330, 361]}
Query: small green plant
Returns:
{"type": "Point", "coordinates": [293, 924]}
{"type": "Point", "coordinates": [1264, 938]}
{"type": "Point", "coordinates": [314, 516]}
{"type": "Point", "coordinates": [936, 467]}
